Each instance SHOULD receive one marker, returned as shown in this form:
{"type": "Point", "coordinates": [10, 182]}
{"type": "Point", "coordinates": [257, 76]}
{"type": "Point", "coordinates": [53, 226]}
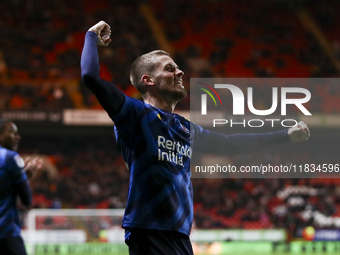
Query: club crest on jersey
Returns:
{"type": "Point", "coordinates": [19, 161]}
{"type": "Point", "coordinates": [184, 128]}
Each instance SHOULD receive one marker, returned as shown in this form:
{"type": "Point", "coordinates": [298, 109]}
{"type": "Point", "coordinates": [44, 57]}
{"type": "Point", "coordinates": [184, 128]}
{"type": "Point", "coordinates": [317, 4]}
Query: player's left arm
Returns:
{"type": "Point", "coordinates": [243, 143]}
{"type": "Point", "coordinates": [22, 172]}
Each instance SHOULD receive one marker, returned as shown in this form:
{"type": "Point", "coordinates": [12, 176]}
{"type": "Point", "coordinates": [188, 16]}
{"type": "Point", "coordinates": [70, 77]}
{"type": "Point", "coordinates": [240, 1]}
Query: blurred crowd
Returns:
{"type": "Point", "coordinates": [45, 44]}
{"type": "Point", "coordinates": [40, 47]}
{"type": "Point", "coordinates": [208, 39]}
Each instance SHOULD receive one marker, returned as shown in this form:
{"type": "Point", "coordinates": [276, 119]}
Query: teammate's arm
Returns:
{"type": "Point", "coordinates": [22, 187]}
{"type": "Point", "coordinates": [24, 192]}
{"type": "Point", "coordinates": [244, 143]}
{"type": "Point", "coordinates": [108, 95]}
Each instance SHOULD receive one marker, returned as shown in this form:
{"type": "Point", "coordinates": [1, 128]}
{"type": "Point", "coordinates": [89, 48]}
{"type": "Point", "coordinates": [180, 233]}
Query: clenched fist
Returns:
{"type": "Point", "coordinates": [299, 133]}
{"type": "Point", "coordinates": [103, 30]}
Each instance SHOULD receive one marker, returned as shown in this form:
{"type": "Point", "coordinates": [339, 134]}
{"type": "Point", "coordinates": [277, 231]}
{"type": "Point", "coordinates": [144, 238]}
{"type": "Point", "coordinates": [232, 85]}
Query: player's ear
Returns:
{"type": "Point", "coordinates": [147, 80]}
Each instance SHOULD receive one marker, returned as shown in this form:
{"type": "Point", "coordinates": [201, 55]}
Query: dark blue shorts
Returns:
{"type": "Point", "coordinates": [12, 246]}
{"type": "Point", "coordinates": [152, 242]}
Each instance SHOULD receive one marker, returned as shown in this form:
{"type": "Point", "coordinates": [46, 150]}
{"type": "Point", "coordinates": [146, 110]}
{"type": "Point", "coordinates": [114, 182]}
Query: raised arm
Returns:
{"type": "Point", "coordinates": [221, 144]}
{"type": "Point", "coordinates": [108, 95]}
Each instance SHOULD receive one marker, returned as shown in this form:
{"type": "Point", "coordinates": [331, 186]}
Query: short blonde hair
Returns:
{"type": "Point", "coordinates": [144, 64]}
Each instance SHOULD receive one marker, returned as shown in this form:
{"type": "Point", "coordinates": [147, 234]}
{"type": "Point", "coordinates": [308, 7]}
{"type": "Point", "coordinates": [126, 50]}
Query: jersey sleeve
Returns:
{"type": "Point", "coordinates": [129, 113]}
{"type": "Point", "coordinates": [107, 94]}
{"type": "Point", "coordinates": [15, 165]}
{"type": "Point", "coordinates": [235, 144]}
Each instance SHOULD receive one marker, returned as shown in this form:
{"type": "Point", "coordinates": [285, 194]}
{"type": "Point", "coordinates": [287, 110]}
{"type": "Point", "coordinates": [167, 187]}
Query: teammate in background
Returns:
{"type": "Point", "coordinates": [13, 183]}
{"type": "Point", "coordinates": [156, 146]}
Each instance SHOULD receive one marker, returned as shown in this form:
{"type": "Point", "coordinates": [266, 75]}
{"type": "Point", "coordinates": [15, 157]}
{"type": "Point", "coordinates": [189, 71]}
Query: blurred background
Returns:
{"type": "Point", "coordinates": [59, 119]}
